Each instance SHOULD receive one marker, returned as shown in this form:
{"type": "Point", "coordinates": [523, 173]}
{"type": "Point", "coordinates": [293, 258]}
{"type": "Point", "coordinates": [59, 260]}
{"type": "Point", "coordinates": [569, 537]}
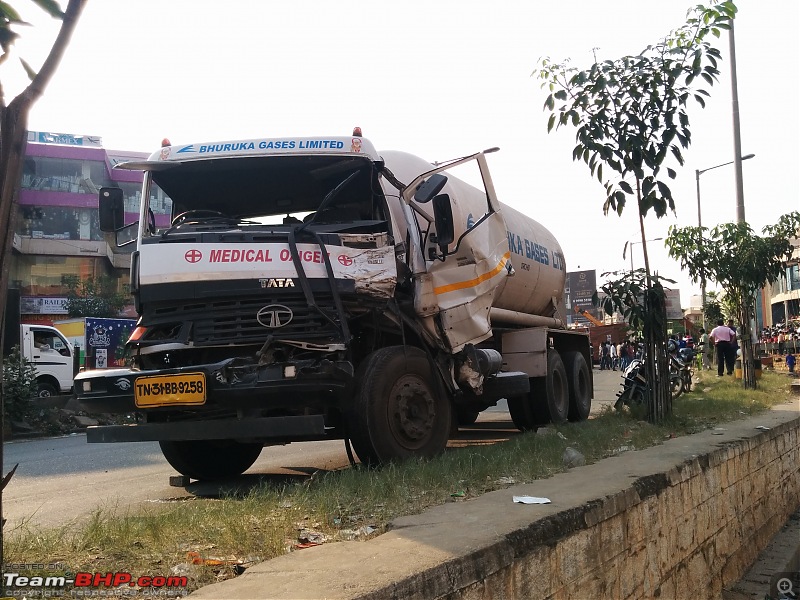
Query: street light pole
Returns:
{"type": "Point", "coordinates": [631, 243]}
{"type": "Point", "coordinates": [697, 174]}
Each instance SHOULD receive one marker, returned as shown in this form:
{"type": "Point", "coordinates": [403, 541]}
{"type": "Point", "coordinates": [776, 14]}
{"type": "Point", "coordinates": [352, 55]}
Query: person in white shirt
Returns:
{"type": "Point", "coordinates": [724, 337]}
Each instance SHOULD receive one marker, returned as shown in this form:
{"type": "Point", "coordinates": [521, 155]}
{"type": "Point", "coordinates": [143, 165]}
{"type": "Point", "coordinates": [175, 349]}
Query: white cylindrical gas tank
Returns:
{"type": "Point", "coordinates": [539, 264]}
{"type": "Point", "coordinates": [540, 271]}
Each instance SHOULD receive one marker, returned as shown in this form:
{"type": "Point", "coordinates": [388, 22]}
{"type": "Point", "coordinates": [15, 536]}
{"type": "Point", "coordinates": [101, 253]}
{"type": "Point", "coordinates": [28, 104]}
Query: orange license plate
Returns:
{"type": "Point", "coordinates": [187, 389]}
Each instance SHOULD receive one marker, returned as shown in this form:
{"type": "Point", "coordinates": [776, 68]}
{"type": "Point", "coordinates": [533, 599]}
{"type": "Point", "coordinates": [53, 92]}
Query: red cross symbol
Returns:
{"type": "Point", "coordinates": [193, 256]}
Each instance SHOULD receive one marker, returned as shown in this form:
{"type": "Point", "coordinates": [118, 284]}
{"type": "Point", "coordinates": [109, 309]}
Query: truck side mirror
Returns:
{"type": "Point", "coordinates": [443, 219]}
{"type": "Point", "coordinates": [429, 188]}
{"type": "Point", "coordinates": [112, 209]}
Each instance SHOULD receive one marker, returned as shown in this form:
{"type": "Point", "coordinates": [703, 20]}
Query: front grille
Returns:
{"type": "Point", "coordinates": [234, 321]}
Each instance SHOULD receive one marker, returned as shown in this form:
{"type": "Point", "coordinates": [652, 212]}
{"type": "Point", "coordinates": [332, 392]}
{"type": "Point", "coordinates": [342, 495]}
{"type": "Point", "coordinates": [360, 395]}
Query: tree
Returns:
{"type": "Point", "coordinates": [13, 137]}
{"type": "Point", "coordinates": [631, 118]}
{"type": "Point", "coordinates": [741, 262]}
{"type": "Point", "coordinates": [94, 297]}
{"type": "Point", "coordinates": [19, 384]}
{"type": "Point", "coordinates": [712, 309]}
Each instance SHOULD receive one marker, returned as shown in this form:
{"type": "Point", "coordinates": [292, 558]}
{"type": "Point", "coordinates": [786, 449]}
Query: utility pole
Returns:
{"type": "Point", "coordinates": [737, 137]}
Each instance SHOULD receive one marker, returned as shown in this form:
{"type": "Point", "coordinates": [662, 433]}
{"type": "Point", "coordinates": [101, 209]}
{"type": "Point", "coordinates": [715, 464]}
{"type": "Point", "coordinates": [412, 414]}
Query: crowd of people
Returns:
{"type": "Point", "coordinates": [616, 356]}
{"type": "Point", "coordinates": [720, 346]}
{"type": "Point", "coordinates": [780, 334]}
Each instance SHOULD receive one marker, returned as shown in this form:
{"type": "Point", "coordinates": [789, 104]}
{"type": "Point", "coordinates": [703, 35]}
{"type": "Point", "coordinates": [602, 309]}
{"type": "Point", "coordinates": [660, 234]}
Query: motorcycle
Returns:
{"type": "Point", "coordinates": [634, 386]}
{"type": "Point", "coordinates": [680, 369]}
{"type": "Point", "coordinates": [634, 383]}
{"type": "Point", "coordinates": [687, 356]}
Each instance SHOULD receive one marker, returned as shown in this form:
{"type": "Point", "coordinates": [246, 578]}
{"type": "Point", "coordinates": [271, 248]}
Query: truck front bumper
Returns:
{"type": "Point", "coordinates": [232, 384]}
{"type": "Point", "coordinates": [274, 429]}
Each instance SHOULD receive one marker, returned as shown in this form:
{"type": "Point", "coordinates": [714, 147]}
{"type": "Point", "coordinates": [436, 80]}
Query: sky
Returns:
{"type": "Point", "coordinates": [439, 79]}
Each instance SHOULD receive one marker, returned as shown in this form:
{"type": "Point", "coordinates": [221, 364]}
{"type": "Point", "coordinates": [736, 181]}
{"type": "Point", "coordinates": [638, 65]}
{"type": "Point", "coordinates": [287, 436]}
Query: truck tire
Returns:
{"type": "Point", "coordinates": [45, 390]}
{"type": "Point", "coordinates": [210, 459]}
{"type": "Point", "coordinates": [522, 414]}
{"type": "Point", "coordinates": [580, 386]}
{"type": "Point", "coordinates": [399, 411]}
{"type": "Point", "coordinates": [556, 388]}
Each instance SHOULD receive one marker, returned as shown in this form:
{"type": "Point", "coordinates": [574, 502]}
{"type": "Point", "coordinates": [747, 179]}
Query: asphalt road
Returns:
{"type": "Point", "coordinates": [64, 479]}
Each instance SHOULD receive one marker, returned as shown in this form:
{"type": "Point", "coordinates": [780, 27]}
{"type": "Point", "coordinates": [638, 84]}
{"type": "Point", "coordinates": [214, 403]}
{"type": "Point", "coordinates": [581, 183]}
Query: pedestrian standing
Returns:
{"type": "Point", "coordinates": [723, 337]}
{"type": "Point", "coordinates": [613, 352]}
{"type": "Point", "coordinates": [790, 362]}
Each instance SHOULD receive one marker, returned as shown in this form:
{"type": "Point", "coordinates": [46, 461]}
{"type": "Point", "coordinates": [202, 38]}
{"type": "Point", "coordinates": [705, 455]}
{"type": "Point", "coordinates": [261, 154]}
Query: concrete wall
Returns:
{"type": "Point", "coordinates": [680, 534]}
{"type": "Point", "coordinates": [680, 520]}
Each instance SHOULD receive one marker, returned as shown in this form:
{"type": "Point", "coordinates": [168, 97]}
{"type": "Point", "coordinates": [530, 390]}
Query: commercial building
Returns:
{"type": "Point", "coordinates": [780, 302]}
{"type": "Point", "coordinates": [57, 233]}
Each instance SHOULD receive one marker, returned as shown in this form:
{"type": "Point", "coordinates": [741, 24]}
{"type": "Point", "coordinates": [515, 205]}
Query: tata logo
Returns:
{"type": "Point", "coordinates": [275, 316]}
{"type": "Point", "coordinates": [277, 283]}
{"type": "Point", "coordinates": [123, 384]}
{"type": "Point", "coordinates": [193, 256]}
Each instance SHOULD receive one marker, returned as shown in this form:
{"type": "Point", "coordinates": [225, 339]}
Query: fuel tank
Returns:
{"type": "Point", "coordinates": [537, 285]}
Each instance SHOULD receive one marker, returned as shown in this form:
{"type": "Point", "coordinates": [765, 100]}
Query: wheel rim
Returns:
{"type": "Point", "coordinates": [412, 411]}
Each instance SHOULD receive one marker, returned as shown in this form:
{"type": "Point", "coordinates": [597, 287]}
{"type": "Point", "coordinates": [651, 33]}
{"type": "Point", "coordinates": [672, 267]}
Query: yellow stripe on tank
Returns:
{"type": "Point", "coordinates": [451, 287]}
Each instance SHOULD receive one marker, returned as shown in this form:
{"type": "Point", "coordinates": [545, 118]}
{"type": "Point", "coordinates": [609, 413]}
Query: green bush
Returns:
{"type": "Point", "coordinates": [19, 385]}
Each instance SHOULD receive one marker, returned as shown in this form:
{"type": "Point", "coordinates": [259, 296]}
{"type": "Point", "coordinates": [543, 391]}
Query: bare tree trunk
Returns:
{"type": "Point", "coordinates": [13, 138]}
{"type": "Point", "coordinates": [745, 339]}
{"type": "Point", "coordinates": [656, 363]}
{"type": "Point", "coordinates": [657, 368]}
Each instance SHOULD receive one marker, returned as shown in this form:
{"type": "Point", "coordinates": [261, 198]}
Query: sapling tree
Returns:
{"type": "Point", "coordinates": [631, 120]}
{"type": "Point", "coordinates": [741, 262]}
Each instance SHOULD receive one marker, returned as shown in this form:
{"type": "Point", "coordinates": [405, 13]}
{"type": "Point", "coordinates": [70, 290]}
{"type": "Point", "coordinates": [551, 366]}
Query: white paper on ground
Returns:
{"type": "Point", "coordinates": [531, 500]}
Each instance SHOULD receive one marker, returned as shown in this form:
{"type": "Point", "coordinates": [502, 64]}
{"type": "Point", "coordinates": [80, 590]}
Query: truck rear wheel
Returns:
{"type": "Point", "coordinates": [580, 388]}
{"type": "Point", "coordinates": [398, 411]}
{"type": "Point", "coordinates": [210, 459]}
{"type": "Point", "coordinates": [556, 388]}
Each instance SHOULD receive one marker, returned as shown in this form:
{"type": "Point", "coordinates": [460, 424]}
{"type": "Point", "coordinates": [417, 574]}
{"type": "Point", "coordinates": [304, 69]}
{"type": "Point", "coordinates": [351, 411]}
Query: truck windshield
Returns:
{"type": "Point", "coordinates": [275, 190]}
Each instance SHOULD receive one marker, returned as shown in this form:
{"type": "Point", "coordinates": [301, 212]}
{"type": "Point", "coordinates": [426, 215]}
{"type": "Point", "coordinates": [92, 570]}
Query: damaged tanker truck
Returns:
{"type": "Point", "coordinates": [315, 288]}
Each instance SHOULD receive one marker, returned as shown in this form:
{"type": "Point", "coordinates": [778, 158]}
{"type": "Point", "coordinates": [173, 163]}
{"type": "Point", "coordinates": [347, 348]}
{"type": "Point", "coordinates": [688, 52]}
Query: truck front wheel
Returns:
{"type": "Point", "coordinates": [210, 459]}
{"type": "Point", "coordinates": [398, 411]}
